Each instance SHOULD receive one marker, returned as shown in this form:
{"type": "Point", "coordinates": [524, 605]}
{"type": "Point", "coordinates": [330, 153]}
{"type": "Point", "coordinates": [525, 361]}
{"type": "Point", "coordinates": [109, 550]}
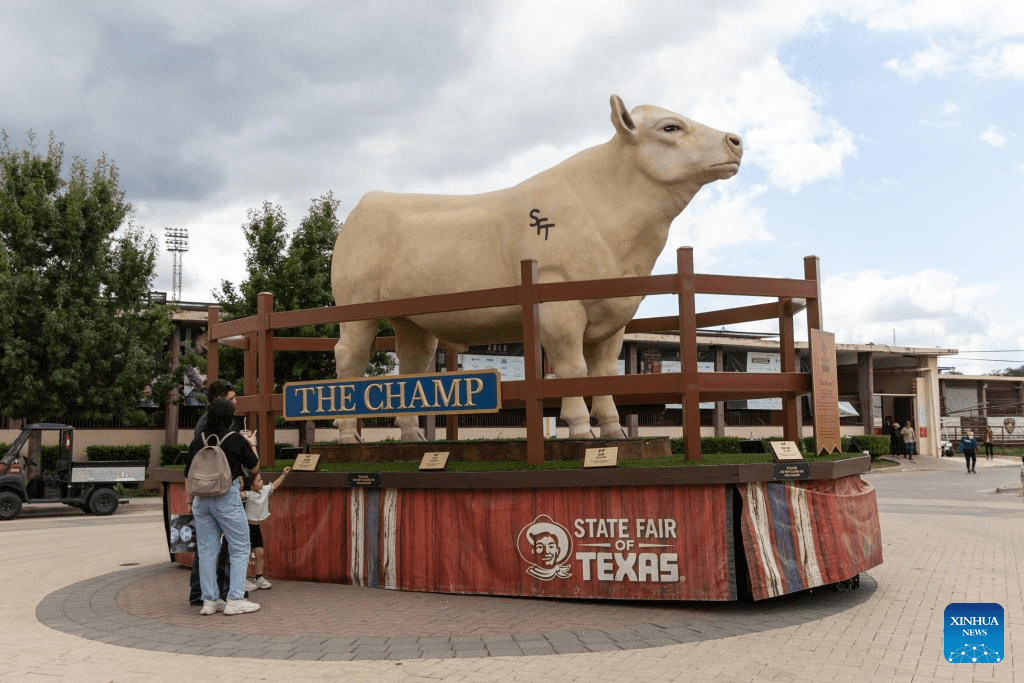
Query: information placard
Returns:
{"type": "Point", "coordinates": [825, 388]}
{"type": "Point", "coordinates": [435, 461]}
{"type": "Point", "coordinates": [306, 462]}
{"type": "Point", "coordinates": [791, 471]}
{"type": "Point", "coordinates": [601, 457]}
{"type": "Point", "coordinates": [785, 451]}
{"type": "Point", "coordinates": [369, 480]}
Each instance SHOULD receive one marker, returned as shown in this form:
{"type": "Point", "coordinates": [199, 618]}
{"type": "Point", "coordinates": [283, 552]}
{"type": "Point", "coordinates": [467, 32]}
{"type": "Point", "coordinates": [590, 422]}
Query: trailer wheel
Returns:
{"type": "Point", "coordinates": [10, 504]}
{"type": "Point", "coordinates": [103, 502]}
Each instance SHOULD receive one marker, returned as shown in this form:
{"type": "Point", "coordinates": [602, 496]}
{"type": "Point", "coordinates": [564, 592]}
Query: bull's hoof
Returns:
{"type": "Point", "coordinates": [413, 435]}
{"type": "Point", "coordinates": [349, 437]}
{"type": "Point", "coordinates": [613, 430]}
{"type": "Point", "coordinates": [581, 431]}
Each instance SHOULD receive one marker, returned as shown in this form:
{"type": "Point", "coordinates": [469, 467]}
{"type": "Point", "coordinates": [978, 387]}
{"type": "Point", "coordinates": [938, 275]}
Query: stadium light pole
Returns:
{"type": "Point", "coordinates": [177, 244]}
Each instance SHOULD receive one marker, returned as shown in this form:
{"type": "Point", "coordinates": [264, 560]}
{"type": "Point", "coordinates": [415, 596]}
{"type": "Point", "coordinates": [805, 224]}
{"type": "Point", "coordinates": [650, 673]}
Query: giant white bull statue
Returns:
{"type": "Point", "coordinates": [602, 213]}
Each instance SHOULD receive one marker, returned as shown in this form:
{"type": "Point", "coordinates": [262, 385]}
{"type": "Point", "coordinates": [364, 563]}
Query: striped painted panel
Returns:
{"type": "Point", "coordinates": [800, 535]}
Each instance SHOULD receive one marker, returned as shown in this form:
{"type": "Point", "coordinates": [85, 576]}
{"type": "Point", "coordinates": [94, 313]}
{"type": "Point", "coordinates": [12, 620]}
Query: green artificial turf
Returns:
{"type": "Point", "coordinates": [522, 466]}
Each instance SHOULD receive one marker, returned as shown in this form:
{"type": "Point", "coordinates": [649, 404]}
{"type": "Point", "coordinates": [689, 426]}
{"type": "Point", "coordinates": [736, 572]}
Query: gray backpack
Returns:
{"type": "Point", "coordinates": [210, 473]}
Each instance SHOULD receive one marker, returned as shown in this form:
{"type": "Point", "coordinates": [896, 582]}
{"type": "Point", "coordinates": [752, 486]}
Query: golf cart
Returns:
{"type": "Point", "coordinates": [88, 486]}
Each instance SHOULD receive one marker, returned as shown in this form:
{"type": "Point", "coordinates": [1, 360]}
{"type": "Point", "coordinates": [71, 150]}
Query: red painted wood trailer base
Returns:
{"type": "Point", "coordinates": [707, 533]}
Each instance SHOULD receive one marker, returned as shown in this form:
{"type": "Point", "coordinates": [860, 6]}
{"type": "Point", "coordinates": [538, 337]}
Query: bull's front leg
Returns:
{"type": "Point", "coordinates": [603, 361]}
{"type": "Point", "coordinates": [561, 334]}
{"type": "Point", "coordinates": [351, 355]}
{"type": "Point", "coordinates": [415, 349]}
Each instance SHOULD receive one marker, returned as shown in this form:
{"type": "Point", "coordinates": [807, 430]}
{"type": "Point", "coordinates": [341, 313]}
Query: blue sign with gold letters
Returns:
{"type": "Point", "coordinates": [477, 391]}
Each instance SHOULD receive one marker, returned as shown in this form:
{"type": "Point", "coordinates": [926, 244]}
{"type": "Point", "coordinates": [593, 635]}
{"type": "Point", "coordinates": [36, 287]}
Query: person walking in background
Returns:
{"type": "Point", "coordinates": [970, 449]}
{"type": "Point", "coordinates": [897, 440]}
{"type": "Point", "coordinates": [988, 442]}
{"type": "Point", "coordinates": [893, 431]}
{"type": "Point", "coordinates": [907, 433]}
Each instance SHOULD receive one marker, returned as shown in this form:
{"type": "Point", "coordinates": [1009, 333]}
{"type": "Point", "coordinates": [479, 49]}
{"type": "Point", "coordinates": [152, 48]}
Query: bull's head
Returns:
{"type": "Point", "coordinates": [673, 149]}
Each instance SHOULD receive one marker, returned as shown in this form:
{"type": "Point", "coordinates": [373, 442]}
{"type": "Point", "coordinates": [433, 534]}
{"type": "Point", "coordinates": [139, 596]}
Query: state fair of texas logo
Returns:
{"type": "Point", "coordinates": [546, 546]}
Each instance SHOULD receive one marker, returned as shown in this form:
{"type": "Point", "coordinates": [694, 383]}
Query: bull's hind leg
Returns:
{"type": "Point", "coordinates": [603, 361]}
{"type": "Point", "coordinates": [351, 354]}
{"type": "Point", "coordinates": [415, 348]}
{"type": "Point", "coordinates": [561, 335]}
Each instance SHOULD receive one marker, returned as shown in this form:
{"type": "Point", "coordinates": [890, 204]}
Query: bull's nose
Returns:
{"type": "Point", "coordinates": [735, 143]}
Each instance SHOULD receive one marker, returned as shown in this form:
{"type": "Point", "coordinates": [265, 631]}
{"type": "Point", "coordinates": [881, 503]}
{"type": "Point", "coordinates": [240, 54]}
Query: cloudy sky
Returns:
{"type": "Point", "coordinates": [883, 137]}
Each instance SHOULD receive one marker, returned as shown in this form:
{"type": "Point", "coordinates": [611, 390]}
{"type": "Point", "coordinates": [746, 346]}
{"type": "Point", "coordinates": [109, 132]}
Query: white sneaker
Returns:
{"type": "Point", "coordinates": [261, 582]}
{"type": "Point", "coordinates": [212, 607]}
{"type": "Point", "coordinates": [240, 607]}
{"type": "Point", "coordinates": [251, 585]}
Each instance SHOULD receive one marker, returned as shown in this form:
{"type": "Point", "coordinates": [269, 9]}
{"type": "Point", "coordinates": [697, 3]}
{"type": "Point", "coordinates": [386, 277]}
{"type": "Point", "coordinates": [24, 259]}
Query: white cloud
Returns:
{"type": "Point", "coordinates": [786, 133]}
{"type": "Point", "coordinates": [920, 308]}
{"type": "Point", "coordinates": [746, 90]}
{"type": "Point", "coordinates": [947, 117]}
{"type": "Point", "coordinates": [1001, 61]}
{"type": "Point", "coordinates": [720, 216]}
{"type": "Point", "coordinates": [993, 136]}
{"type": "Point", "coordinates": [989, 19]}
{"type": "Point", "coordinates": [980, 59]}
{"type": "Point", "coordinates": [936, 60]}
{"type": "Point", "coordinates": [981, 37]}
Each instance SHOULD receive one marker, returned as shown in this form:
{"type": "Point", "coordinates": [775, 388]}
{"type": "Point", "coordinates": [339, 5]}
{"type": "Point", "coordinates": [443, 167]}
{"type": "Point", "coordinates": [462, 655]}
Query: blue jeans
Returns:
{"type": "Point", "coordinates": [216, 515]}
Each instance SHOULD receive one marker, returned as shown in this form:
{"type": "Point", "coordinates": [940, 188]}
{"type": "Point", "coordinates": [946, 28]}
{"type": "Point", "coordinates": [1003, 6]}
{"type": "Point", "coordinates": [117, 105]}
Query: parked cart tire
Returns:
{"type": "Point", "coordinates": [103, 502]}
{"type": "Point", "coordinates": [10, 505]}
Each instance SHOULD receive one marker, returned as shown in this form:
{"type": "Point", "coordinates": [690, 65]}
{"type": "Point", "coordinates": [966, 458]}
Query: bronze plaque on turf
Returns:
{"type": "Point", "coordinates": [434, 461]}
{"type": "Point", "coordinates": [306, 462]}
{"type": "Point", "coordinates": [601, 457]}
{"type": "Point", "coordinates": [785, 451]}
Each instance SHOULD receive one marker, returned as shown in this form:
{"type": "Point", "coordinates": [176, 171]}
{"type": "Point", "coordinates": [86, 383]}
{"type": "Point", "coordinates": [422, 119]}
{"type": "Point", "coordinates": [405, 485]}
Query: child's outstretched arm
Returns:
{"type": "Point", "coordinates": [284, 475]}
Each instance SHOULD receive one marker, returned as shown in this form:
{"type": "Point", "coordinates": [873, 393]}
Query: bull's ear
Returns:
{"type": "Point", "coordinates": [621, 119]}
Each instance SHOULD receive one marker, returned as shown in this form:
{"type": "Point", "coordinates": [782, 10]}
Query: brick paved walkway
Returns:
{"type": "Point", "coordinates": [145, 608]}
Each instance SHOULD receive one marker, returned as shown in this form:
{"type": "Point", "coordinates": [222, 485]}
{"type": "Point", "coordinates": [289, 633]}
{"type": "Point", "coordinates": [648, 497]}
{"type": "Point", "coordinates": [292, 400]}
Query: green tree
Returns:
{"type": "Point", "coordinates": [78, 337]}
{"type": "Point", "coordinates": [298, 273]}
{"type": "Point", "coordinates": [1010, 372]}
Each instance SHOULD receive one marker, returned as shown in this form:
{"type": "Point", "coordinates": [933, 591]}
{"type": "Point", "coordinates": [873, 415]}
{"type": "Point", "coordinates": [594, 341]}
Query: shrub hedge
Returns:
{"type": "Point", "coordinates": [101, 453]}
{"type": "Point", "coordinates": [174, 453]}
{"type": "Point", "coordinates": [876, 445]}
{"type": "Point", "coordinates": [711, 444]}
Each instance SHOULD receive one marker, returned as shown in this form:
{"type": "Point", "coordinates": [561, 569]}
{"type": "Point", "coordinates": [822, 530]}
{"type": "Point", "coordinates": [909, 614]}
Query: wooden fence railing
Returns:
{"type": "Point", "coordinates": [255, 335]}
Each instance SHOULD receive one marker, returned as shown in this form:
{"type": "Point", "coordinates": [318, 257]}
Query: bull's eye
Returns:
{"type": "Point", "coordinates": [671, 128]}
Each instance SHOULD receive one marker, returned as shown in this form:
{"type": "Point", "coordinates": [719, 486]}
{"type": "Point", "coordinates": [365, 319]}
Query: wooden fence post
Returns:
{"type": "Point", "coordinates": [791, 427]}
{"type": "Point", "coordinates": [265, 376]}
{"type": "Point", "coordinates": [532, 370]}
{"type": "Point", "coordinates": [689, 381]}
{"type": "Point", "coordinates": [212, 345]}
{"type": "Point", "coordinates": [451, 421]}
